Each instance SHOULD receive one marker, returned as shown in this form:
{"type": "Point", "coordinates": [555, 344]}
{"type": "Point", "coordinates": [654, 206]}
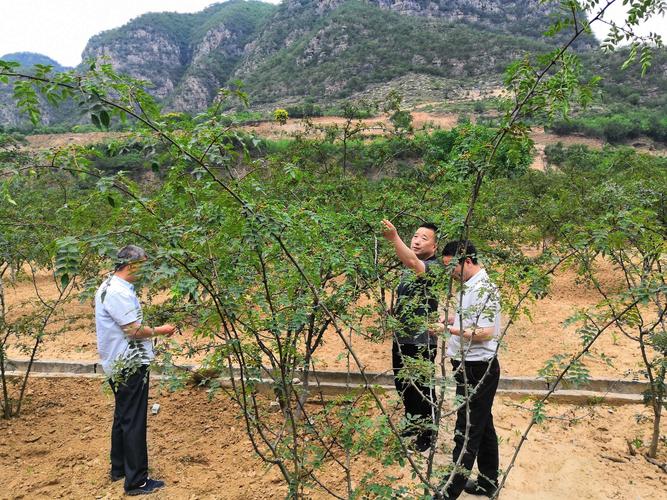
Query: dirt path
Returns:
{"type": "Point", "coordinates": [59, 449]}
{"type": "Point", "coordinates": [47, 141]}
{"type": "Point", "coordinates": [543, 139]}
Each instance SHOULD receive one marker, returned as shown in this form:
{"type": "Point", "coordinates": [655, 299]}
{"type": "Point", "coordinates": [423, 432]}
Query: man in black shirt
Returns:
{"type": "Point", "coordinates": [413, 345]}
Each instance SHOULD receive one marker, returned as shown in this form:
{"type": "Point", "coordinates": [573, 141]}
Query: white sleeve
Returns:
{"type": "Point", "coordinates": [487, 307]}
{"type": "Point", "coordinates": [123, 308]}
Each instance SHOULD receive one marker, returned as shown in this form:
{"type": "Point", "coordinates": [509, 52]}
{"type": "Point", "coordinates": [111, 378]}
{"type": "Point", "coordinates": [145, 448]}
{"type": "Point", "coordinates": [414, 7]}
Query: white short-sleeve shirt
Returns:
{"type": "Point", "coordinates": [117, 305]}
{"type": "Point", "coordinates": [480, 306]}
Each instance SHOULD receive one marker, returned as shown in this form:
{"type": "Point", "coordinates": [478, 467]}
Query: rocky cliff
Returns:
{"type": "Point", "coordinates": [320, 48]}
{"type": "Point", "coordinates": [186, 57]}
{"type": "Point", "coordinates": [331, 49]}
{"type": "Point", "coordinates": [324, 50]}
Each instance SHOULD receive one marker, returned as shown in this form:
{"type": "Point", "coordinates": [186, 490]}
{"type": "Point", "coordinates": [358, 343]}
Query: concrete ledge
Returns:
{"type": "Point", "coordinates": [56, 375]}
{"type": "Point", "coordinates": [596, 385]}
{"type": "Point", "coordinates": [334, 383]}
{"type": "Point", "coordinates": [54, 366]}
{"type": "Point", "coordinates": [576, 396]}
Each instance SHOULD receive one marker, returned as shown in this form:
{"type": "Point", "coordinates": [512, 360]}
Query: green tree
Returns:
{"type": "Point", "coordinates": [265, 257]}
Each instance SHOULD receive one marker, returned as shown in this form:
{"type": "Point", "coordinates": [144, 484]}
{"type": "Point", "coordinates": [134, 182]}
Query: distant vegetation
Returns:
{"type": "Point", "coordinates": [629, 105]}
{"type": "Point", "coordinates": [359, 45]}
{"type": "Point", "coordinates": [618, 127]}
{"type": "Point", "coordinates": [29, 59]}
{"type": "Point", "coordinates": [310, 59]}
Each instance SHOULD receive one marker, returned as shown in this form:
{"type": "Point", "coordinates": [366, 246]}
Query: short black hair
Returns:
{"type": "Point", "coordinates": [462, 248]}
{"type": "Point", "coordinates": [432, 227]}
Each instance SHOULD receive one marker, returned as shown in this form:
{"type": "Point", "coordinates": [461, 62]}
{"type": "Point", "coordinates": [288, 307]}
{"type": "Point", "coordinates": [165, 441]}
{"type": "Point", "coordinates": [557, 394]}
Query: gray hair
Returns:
{"type": "Point", "coordinates": [129, 254]}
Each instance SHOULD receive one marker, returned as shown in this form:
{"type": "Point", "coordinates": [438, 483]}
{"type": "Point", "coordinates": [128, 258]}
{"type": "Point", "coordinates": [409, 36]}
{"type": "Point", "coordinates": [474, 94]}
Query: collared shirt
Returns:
{"type": "Point", "coordinates": [117, 305]}
{"type": "Point", "coordinates": [480, 307]}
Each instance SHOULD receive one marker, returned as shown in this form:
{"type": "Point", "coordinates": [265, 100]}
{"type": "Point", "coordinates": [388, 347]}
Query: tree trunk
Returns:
{"type": "Point", "coordinates": [658, 401]}
{"type": "Point", "coordinates": [657, 414]}
{"type": "Point", "coordinates": [6, 403]}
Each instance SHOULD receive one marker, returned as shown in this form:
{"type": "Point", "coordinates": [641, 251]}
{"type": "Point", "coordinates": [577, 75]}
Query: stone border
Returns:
{"type": "Point", "coordinates": [331, 383]}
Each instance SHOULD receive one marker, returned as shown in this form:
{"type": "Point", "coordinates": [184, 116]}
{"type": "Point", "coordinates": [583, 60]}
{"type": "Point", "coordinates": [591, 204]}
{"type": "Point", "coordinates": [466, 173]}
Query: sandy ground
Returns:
{"type": "Point", "coordinates": [374, 126]}
{"type": "Point", "coordinates": [528, 344]}
{"type": "Point", "coordinates": [45, 141]}
{"type": "Point", "coordinates": [59, 449]}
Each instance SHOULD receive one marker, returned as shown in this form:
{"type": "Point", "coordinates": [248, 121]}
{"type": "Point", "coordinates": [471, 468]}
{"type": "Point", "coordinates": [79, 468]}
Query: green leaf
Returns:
{"type": "Point", "coordinates": [67, 259]}
{"type": "Point", "coordinates": [96, 121]}
{"type": "Point", "coordinates": [105, 119]}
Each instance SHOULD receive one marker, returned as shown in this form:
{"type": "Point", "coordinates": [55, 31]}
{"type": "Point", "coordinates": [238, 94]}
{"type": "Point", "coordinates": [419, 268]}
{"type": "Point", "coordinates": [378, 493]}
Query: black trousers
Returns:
{"type": "Point", "coordinates": [129, 451]}
{"type": "Point", "coordinates": [482, 442]}
{"type": "Point", "coordinates": [415, 393]}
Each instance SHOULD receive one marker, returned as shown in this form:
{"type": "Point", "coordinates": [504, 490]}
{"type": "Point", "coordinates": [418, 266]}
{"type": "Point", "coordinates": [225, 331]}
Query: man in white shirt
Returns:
{"type": "Point", "coordinates": [472, 348]}
{"type": "Point", "coordinates": [126, 350]}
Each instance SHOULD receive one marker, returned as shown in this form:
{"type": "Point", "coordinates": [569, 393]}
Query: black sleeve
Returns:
{"type": "Point", "coordinates": [432, 266]}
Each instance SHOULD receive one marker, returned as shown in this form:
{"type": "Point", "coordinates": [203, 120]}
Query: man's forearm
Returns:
{"type": "Point", "coordinates": [137, 331]}
{"type": "Point", "coordinates": [407, 256]}
{"type": "Point", "coordinates": [474, 334]}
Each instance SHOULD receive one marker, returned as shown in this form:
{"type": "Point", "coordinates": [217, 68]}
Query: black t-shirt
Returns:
{"type": "Point", "coordinates": [416, 305]}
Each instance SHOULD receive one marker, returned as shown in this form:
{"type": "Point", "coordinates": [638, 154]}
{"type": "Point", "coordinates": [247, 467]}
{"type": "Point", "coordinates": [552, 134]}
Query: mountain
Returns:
{"type": "Point", "coordinates": [29, 59]}
{"type": "Point", "coordinates": [330, 50]}
{"type": "Point", "coordinates": [333, 49]}
{"type": "Point", "coordinates": [187, 57]}
{"type": "Point", "coordinates": [9, 116]}
{"type": "Point", "coordinates": [324, 49]}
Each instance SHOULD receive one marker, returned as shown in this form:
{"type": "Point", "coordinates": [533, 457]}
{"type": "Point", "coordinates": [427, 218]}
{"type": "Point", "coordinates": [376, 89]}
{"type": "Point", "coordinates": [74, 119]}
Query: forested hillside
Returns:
{"type": "Point", "coordinates": [326, 52]}
{"type": "Point", "coordinates": [187, 57]}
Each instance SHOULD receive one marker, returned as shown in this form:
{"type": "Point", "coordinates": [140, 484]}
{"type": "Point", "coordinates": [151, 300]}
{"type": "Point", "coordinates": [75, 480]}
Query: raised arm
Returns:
{"type": "Point", "coordinates": [403, 252]}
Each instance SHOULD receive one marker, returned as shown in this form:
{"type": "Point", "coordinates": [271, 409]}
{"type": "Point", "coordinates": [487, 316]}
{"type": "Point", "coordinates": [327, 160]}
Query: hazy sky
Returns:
{"type": "Point", "coordinates": [61, 28]}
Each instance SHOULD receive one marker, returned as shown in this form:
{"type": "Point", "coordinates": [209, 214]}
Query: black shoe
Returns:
{"type": "Point", "coordinates": [444, 495]}
{"type": "Point", "coordinates": [408, 432]}
{"type": "Point", "coordinates": [422, 444]}
{"type": "Point", "coordinates": [116, 476]}
{"type": "Point", "coordinates": [485, 488]}
{"type": "Point", "coordinates": [149, 486]}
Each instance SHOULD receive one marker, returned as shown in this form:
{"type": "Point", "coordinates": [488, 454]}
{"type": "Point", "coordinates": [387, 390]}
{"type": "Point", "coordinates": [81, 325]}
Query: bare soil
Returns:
{"type": "Point", "coordinates": [47, 141]}
{"type": "Point", "coordinates": [375, 126]}
{"type": "Point", "coordinates": [59, 449]}
{"type": "Point", "coordinates": [528, 344]}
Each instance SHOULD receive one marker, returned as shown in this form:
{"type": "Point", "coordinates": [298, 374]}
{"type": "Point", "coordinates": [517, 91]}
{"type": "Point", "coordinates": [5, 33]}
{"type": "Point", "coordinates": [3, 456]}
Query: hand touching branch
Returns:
{"type": "Point", "coordinates": [405, 254]}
